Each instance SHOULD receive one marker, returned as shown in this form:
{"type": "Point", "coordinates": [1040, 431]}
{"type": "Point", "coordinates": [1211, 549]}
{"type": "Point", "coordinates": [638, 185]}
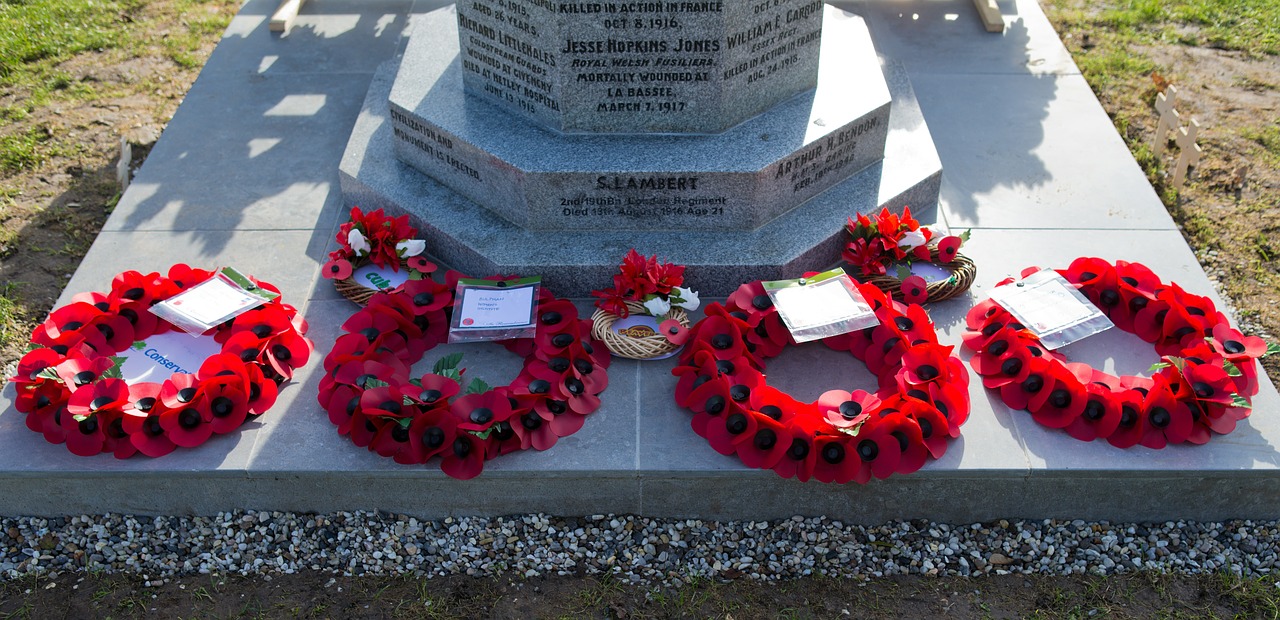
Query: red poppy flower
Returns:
{"type": "Point", "coordinates": [948, 247]}
{"type": "Point", "coordinates": [421, 264]}
{"type": "Point", "coordinates": [104, 395]}
{"type": "Point", "coordinates": [674, 331]}
{"type": "Point", "coordinates": [710, 400]}
{"type": "Point", "coordinates": [365, 427]}
{"type": "Point", "coordinates": [886, 349]}
{"type": "Point", "coordinates": [431, 433]}
{"type": "Point", "coordinates": [182, 277]}
{"type": "Point", "coordinates": [426, 296]}
{"type": "Point", "coordinates": [135, 287]}
{"type": "Point", "coordinates": [845, 410]}
{"type": "Point", "coordinates": [718, 336]}
{"type": "Point", "coordinates": [392, 440]}
{"type": "Point", "coordinates": [464, 459]}
{"type": "Point", "coordinates": [915, 290]}
{"type": "Point", "coordinates": [147, 434]}
{"type": "Point", "coordinates": [1132, 424]}
{"type": "Point", "coordinates": [1018, 395]}
{"type": "Point", "coordinates": [180, 390]}
{"type": "Point", "coordinates": [751, 297]}
{"type": "Point", "coordinates": [767, 444]}
{"type": "Point", "coordinates": [800, 457]}
{"type": "Point", "coordinates": [906, 431]}
{"type": "Point", "coordinates": [876, 446]}
{"type": "Point", "coordinates": [535, 430]}
{"type": "Point", "coordinates": [1167, 421]}
{"type": "Point", "coordinates": [932, 425]}
{"type": "Point", "coordinates": [341, 405]}
{"type": "Point", "coordinates": [78, 371]}
{"type": "Point", "coordinates": [836, 461]}
{"type": "Point", "coordinates": [1063, 398]}
{"type": "Point", "coordinates": [768, 334]}
{"type": "Point", "coordinates": [478, 412]}
{"type": "Point", "coordinates": [925, 363]}
{"type": "Point", "coordinates": [336, 269]}
{"type": "Point", "coordinates": [387, 401]}
{"type": "Point", "coordinates": [186, 426]}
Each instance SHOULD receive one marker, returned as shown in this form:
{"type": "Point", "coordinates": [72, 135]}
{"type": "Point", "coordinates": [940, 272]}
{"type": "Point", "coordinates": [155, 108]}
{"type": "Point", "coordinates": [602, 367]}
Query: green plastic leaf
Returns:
{"type": "Point", "coordinates": [407, 400]}
{"type": "Point", "coordinates": [372, 383]}
{"type": "Point", "coordinates": [903, 272]}
{"type": "Point", "coordinates": [1240, 401]}
{"type": "Point", "coordinates": [964, 236]}
{"type": "Point", "coordinates": [1232, 369]}
{"type": "Point", "coordinates": [477, 386]}
{"type": "Point", "coordinates": [452, 374]}
{"type": "Point", "coordinates": [138, 345]}
{"type": "Point", "coordinates": [1272, 348]}
{"type": "Point", "coordinates": [447, 362]}
{"type": "Point", "coordinates": [48, 372]}
{"type": "Point", "coordinates": [484, 434]}
{"type": "Point", "coordinates": [82, 417]}
{"type": "Point", "coordinates": [1158, 366]}
{"type": "Point", "coordinates": [116, 371]}
{"type": "Point", "coordinates": [404, 422]}
{"type": "Point", "coordinates": [415, 381]}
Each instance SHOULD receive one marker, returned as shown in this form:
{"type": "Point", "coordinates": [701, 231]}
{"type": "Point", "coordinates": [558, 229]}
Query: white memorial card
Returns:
{"type": "Point", "coordinates": [827, 304]}
{"type": "Point", "coordinates": [491, 310]}
{"type": "Point", "coordinates": [1054, 310]}
{"type": "Point", "coordinates": [202, 307]}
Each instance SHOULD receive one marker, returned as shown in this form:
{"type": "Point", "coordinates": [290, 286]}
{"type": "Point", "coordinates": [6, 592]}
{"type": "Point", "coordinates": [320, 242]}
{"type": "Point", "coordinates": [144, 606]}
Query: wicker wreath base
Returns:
{"type": "Point", "coordinates": [630, 347]}
{"type": "Point", "coordinates": [962, 271]}
{"type": "Point", "coordinates": [361, 294]}
{"type": "Point", "coordinates": [352, 290]}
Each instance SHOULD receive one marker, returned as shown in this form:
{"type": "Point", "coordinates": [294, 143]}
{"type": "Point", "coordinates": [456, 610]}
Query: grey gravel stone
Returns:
{"type": "Point", "coordinates": [637, 549]}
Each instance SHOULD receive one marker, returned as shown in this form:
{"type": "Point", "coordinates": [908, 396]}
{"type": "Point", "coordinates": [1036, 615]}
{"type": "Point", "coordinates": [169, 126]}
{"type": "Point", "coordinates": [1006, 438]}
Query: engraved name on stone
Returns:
{"type": "Point", "coordinates": [596, 64]}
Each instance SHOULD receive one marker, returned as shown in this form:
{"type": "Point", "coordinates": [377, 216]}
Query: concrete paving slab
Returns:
{"type": "Point", "coordinates": [328, 37]}
{"type": "Point", "coordinates": [946, 37]}
{"type": "Point", "coordinates": [246, 152]}
{"type": "Point", "coordinates": [1033, 151]}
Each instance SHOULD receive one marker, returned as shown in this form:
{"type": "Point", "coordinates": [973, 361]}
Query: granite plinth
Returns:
{"type": "Point", "coordinates": [462, 234]}
{"type": "Point", "coordinates": [638, 67]}
{"type": "Point", "coordinates": [736, 180]}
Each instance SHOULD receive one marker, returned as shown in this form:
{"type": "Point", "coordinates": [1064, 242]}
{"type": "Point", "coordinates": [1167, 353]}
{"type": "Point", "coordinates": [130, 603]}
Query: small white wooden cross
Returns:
{"type": "Point", "coordinates": [1189, 152]}
{"type": "Point", "coordinates": [1168, 118]}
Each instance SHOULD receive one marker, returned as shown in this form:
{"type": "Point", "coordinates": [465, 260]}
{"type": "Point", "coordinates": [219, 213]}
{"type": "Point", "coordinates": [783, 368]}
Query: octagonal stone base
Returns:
{"type": "Point", "coordinates": [736, 180]}
{"type": "Point", "coordinates": [464, 236]}
{"type": "Point", "coordinates": [701, 67]}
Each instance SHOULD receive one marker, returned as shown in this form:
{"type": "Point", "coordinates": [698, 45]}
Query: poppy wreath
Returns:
{"type": "Point", "coordinates": [922, 397]}
{"type": "Point", "coordinates": [70, 388]}
{"type": "Point", "coordinates": [1202, 386]}
{"type": "Point", "coordinates": [371, 397]}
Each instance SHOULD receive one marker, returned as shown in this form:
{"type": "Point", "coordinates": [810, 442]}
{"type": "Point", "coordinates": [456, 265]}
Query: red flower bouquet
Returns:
{"type": "Point", "coordinates": [374, 238]}
{"type": "Point", "coordinates": [892, 240]}
{"type": "Point", "coordinates": [644, 286]}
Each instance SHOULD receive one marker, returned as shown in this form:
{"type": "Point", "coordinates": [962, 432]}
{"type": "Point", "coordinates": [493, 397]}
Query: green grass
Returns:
{"type": "Point", "coordinates": [49, 31]}
{"type": "Point", "coordinates": [1251, 26]}
{"type": "Point", "coordinates": [24, 150]}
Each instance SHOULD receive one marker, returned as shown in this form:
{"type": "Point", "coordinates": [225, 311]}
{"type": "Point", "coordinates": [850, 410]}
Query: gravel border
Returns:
{"type": "Point", "coordinates": [634, 549]}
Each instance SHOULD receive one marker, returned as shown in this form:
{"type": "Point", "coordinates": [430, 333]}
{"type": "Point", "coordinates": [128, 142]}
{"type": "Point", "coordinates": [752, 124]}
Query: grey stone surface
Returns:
{"type": "Point", "coordinates": [282, 134]}
{"type": "Point", "coordinates": [947, 37]}
{"type": "Point", "coordinates": [736, 180]}
{"type": "Point", "coordinates": [1033, 151]}
{"type": "Point", "coordinates": [639, 67]}
{"type": "Point", "coordinates": [476, 241]}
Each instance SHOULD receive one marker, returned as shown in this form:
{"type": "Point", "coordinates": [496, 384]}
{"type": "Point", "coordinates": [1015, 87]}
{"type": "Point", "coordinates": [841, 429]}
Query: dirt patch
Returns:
{"type": "Point", "coordinates": [320, 595]}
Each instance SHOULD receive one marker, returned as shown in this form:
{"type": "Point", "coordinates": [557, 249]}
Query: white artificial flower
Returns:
{"type": "Point", "coordinates": [411, 247]}
{"type": "Point", "coordinates": [658, 306]}
{"type": "Point", "coordinates": [358, 243]}
{"type": "Point", "coordinates": [911, 239]}
{"type": "Point", "coordinates": [690, 298]}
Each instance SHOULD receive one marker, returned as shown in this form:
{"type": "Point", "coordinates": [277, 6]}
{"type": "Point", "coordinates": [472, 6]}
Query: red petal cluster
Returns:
{"type": "Point", "coordinates": [922, 398]}
{"type": "Point", "coordinates": [1210, 369]}
{"type": "Point", "coordinates": [874, 243]}
{"type": "Point", "coordinates": [370, 395]}
{"type": "Point", "coordinates": [61, 388]}
{"type": "Point", "coordinates": [637, 277]}
{"type": "Point", "coordinates": [382, 233]}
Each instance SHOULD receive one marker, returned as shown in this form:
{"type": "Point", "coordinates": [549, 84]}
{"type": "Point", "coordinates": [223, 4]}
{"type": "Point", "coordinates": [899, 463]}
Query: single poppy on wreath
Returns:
{"type": "Point", "coordinates": [1201, 387]}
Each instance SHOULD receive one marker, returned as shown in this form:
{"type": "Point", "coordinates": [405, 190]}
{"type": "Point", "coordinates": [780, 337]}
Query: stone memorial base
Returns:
{"type": "Point", "coordinates": [739, 179]}
{"type": "Point", "coordinates": [793, 237]}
